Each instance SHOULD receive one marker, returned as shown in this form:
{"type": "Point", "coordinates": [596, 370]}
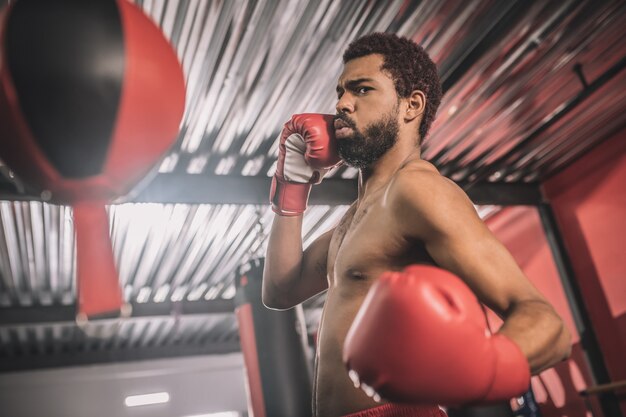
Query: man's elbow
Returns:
{"type": "Point", "coordinates": [273, 302]}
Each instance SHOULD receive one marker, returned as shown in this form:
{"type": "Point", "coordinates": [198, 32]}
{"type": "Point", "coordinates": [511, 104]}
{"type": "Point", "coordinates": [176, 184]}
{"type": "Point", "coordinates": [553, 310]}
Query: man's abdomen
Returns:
{"type": "Point", "coordinates": [336, 395]}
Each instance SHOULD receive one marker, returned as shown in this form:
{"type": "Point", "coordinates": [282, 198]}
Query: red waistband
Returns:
{"type": "Point", "coordinates": [396, 410]}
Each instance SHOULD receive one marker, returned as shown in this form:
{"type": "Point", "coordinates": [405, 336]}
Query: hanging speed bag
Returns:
{"type": "Point", "coordinates": [91, 97]}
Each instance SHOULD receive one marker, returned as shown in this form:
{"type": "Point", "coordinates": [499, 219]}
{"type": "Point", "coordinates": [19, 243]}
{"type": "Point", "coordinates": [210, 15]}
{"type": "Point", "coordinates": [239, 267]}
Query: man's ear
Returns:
{"type": "Point", "coordinates": [416, 104]}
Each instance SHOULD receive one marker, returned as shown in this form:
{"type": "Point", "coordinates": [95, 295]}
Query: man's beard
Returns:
{"type": "Point", "coordinates": [360, 150]}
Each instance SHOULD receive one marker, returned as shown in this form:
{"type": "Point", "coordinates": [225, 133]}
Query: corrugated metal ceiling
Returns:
{"type": "Point", "coordinates": [530, 86]}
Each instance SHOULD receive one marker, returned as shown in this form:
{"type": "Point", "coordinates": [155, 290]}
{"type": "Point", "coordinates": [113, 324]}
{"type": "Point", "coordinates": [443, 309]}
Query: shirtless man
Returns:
{"type": "Point", "coordinates": [406, 213]}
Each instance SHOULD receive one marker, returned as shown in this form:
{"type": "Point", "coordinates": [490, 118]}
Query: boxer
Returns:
{"type": "Point", "coordinates": [420, 338]}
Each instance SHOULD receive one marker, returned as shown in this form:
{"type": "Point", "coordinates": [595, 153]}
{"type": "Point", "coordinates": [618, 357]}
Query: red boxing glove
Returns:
{"type": "Point", "coordinates": [420, 337]}
{"type": "Point", "coordinates": [306, 152]}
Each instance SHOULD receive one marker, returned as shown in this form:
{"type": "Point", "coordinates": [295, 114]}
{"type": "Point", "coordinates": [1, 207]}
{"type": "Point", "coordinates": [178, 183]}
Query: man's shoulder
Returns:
{"type": "Point", "coordinates": [420, 193]}
{"type": "Point", "coordinates": [419, 186]}
{"type": "Point", "coordinates": [418, 178]}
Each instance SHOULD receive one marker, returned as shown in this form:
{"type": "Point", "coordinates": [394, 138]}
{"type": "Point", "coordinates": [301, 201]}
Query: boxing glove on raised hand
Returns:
{"type": "Point", "coordinates": [306, 152]}
{"type": "Point", "coordinates": [420, 337]}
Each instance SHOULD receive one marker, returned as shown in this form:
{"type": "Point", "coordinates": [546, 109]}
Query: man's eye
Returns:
{"type": "Point", "coordinates": [363, 90]}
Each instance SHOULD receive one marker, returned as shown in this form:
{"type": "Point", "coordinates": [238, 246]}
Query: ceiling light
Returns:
{"type": "Point", "coordinates": [147, 399]}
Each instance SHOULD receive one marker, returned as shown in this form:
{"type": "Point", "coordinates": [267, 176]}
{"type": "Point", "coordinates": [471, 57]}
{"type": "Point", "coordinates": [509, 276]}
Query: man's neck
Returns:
{"type": "Point", "coordinates": [380, 173]}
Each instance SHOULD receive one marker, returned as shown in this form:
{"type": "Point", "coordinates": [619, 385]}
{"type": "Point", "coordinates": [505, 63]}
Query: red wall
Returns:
{"type": "Point", "coordinates": [520, 230]}
{"type": "Point", "coordinates": [589, 202]}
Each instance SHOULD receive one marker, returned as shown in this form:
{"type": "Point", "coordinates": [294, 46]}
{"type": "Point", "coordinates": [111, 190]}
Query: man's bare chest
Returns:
{"type": "Point", "coordinates": [367, 240]}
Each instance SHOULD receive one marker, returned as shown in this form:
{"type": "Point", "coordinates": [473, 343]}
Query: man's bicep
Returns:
{"type": "Point", "coordinates": [315, 261]}
{"type": "Point", "coordinates": [466, 247]}
{"type": "Point", "coordinates": [306, 281]}
{"type": "Point", "coordinates": [458, 240]}
{"type": "Point", "coordinates": [314, 277]}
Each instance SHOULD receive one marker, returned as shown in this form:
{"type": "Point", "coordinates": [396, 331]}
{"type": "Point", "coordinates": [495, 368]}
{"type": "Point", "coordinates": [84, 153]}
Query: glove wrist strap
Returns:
{"type": "Point", "coordinates": [289, 198]}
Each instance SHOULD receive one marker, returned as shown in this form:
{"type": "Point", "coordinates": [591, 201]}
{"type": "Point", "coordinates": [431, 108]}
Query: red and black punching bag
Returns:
{"type": "Point", "coordinates": [91, 97]}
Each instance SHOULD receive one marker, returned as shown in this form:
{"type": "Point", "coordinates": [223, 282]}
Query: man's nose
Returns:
{"type": "Point", "coordinates": [345, 104]}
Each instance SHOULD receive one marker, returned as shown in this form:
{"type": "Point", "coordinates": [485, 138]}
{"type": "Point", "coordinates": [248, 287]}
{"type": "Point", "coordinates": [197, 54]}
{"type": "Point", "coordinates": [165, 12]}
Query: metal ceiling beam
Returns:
{"type": "Point", "coordinates": [76, 357]}
{"type": "Point", "coordinates": [201, 189]}
{"type": "Point", "coordinates": [504, 194]}
{"type": "Point", "coordinates": [11, 316]}
{"type": "Point", "coordinates": [205, 189]}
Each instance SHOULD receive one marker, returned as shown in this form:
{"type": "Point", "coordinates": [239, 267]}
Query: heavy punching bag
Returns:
{"type": "Point", "coordinates": [274, 349]}
{"type": "Point", "coordinates": [91, 97]}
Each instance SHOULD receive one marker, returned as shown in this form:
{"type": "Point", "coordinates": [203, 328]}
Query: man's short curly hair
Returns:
{"type": "Point", "coordinates": [408, 64]}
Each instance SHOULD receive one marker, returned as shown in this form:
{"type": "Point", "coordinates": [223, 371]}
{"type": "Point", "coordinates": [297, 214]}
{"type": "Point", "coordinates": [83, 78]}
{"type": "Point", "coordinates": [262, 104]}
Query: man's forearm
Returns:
{"type": "Point", "coordinates": [283, 261]}
{"type": "Point", "coordinates": [539, 332]}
